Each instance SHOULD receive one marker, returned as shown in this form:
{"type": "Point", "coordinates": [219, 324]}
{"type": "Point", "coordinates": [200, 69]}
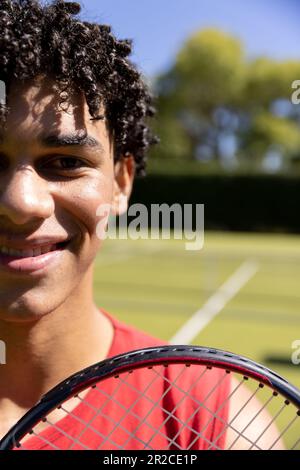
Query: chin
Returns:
{"type": "Point", "coordinates": [23, 312]}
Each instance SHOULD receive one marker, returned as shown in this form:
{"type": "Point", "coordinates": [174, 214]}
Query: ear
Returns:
{"type": "Point", "coordinates": [124, 170]}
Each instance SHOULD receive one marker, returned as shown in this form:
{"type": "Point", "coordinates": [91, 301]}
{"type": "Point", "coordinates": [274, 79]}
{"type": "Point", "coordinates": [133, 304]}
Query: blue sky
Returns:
{"type": "Point", "coordinates": [159, 27]}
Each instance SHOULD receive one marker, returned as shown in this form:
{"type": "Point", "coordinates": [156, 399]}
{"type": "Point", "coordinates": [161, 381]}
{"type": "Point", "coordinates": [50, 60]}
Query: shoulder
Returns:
{"type": "Point", "coordinates": [252, 425]}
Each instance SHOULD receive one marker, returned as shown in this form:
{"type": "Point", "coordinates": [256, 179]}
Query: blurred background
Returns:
{"type": "Point", "coordinates": [222, 74]}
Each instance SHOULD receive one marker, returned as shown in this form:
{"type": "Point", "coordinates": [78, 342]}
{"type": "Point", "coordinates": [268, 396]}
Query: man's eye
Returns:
{"type": "Point", "coordinates": [65, 163]}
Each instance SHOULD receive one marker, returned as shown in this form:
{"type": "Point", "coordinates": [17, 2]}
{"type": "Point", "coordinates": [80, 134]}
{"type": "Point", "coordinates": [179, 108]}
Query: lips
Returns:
{"type": "Point", "coordinates": [31, 259]}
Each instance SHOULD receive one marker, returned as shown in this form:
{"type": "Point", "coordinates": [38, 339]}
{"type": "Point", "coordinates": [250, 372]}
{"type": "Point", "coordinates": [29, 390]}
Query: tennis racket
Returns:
{"type": "Point", "coordinates": [169, 397]}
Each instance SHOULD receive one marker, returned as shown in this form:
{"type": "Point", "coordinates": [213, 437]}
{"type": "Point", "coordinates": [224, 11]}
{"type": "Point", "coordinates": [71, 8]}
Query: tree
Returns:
{"type": "Point", "coordinates": [213, 95]}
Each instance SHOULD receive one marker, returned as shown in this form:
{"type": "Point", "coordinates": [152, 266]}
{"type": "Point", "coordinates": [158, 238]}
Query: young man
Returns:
{"type": "Point", "coordinates": [73, 135]}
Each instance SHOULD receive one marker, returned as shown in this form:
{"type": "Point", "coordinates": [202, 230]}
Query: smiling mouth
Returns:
{"type": "Point", "coordinates": [33, 252]}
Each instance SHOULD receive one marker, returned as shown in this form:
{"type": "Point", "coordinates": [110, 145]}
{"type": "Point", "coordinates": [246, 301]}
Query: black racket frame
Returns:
{"type": "Point", "coordinates": [148, 357]}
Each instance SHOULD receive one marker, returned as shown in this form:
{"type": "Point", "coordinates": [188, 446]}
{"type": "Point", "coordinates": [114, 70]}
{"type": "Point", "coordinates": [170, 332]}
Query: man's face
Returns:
{"type": "Point", "coordinates": [50, 190]}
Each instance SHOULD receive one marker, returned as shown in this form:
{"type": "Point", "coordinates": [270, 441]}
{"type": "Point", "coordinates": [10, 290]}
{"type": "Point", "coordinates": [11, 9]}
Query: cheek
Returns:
{"type": "Point", "coordinates": [82, 204]}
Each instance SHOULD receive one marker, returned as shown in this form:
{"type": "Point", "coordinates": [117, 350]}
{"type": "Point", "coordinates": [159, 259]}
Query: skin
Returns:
{"type": "Point", "coordinates": [42, 198]}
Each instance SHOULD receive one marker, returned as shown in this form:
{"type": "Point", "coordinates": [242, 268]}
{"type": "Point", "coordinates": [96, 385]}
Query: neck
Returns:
{"type": "Point", "coordinates": [41, 354]}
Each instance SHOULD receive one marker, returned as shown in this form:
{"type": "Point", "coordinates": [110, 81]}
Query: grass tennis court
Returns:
{"type": "Point", "coordinates": [157, 285]}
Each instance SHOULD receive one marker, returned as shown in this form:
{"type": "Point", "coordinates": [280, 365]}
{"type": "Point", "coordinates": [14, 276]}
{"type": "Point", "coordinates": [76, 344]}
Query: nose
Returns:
{"type": "Point", "coordinates": [25, 196]}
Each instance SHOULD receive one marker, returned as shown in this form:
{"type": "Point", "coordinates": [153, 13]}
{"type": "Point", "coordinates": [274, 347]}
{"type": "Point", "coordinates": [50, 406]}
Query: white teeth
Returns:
{"type": "Point", "coordinates": [27, 253]}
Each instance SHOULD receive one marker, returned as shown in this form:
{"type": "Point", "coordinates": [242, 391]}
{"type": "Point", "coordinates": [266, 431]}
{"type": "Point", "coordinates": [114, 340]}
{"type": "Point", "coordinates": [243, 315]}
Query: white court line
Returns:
{"type": "Point", "coordinates": [215, 303]}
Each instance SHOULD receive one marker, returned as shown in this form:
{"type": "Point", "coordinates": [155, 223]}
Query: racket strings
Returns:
{"type": "Point", "coordinates": [171, 414]}
{"type": "Point", "coordinates": [214, 414]}
{"type": "Point", "coordinates": [98, 412]}
{"type": "Point", "coordinates": [40, 436]}
{"type": "Point", "coordinates": [273, 421]}
{"type": "Point", "coordinates": [179, 403]}
{"type": "Point", "coordinates": [291, 423]}
{"type": "Point", "coordinates": [269, 424]}
{"type": "Point", "coordinates": [87, 425]}
{"type": "Point", "coordinates": [143, 396]}
{"type": "Point", "coordinates": [60, 431]}
{"type": "Point", "coordinates": [238, 413]}
{"type": "Point", "coordinates": [139, 409]}
{"type": "Point", "coordinates": [84, 423]}
{"type": "Point", "coordinates": [186, 395]}
{"type": "Point", "coordinates": [89, 422]}
{"type": "Point", "coordinates": [22, 446]}
{"type": "Point", "coordinates": [225, 402]}
{"type": "Point", "coordinates": [242, 433]}
{"type": "Point", "coordinates": [226, 425]}
{"type": "Point", "coordinates": [298, 440]}
{"type": "Point", "coordinates": [154, 406]}
{"type": "Point", "coordinates": [129, 411]}
{"type": "Point", "coordinates": [118, 425]}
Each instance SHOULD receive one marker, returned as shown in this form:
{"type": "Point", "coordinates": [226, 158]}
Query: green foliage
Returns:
{"type": "Point", "coordinates": [174, 143]}
{"type": "Point", "coordinates": [270, 130]}
{"type": "Point", "coordinates": [268, 80]}
{"type": "Point", "coordinates": [210, 70]}
{"type": "Point", "coordinates": [213, 93]}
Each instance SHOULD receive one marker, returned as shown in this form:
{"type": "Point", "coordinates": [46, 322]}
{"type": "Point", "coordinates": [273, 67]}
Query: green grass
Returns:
{"type": "Point", "coordinates": [157, 285]}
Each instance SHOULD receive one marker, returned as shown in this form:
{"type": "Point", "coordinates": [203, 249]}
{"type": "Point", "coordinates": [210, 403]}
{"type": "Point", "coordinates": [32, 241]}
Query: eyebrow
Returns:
{"type": "Point", "coordinates": [71, 140]}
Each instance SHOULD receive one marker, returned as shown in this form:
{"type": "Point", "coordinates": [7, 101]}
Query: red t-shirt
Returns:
{"type": "Point", "coordinates": [113, 428]}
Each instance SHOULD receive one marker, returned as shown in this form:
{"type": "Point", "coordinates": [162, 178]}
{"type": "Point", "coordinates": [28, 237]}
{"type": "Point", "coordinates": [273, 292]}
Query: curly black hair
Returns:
{"type": "Point", "coordinates": [48, 40]}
